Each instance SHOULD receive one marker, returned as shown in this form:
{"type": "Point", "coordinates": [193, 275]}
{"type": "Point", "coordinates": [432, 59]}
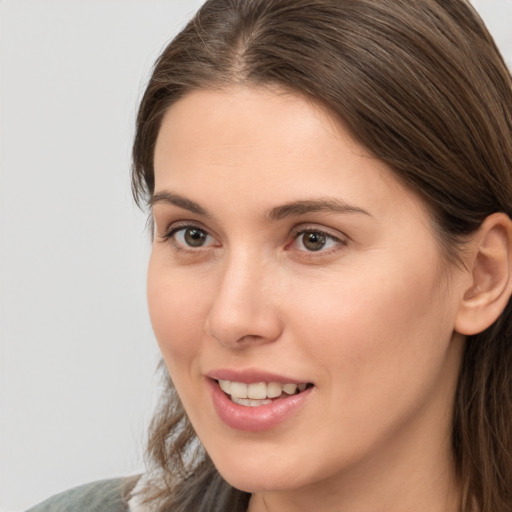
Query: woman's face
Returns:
{"type": "Point", "coordinates": [287, 260]}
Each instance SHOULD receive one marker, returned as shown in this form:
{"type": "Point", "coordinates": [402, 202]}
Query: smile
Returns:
{"type": "Point", "coordinates": [259, 393]}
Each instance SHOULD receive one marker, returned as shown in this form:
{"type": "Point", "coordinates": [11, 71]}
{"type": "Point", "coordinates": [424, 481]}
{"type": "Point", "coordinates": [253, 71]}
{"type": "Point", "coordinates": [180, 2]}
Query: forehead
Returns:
{"type": "Point", "coordinates": [263, 122]}
{"type": "Point", "coordinates": [256, 109]}
{"type": "Point", "coordinates": [266, 143]}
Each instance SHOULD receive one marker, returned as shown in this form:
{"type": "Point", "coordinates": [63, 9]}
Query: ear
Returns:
{"type": "Point", "coordinates": [489, 285]}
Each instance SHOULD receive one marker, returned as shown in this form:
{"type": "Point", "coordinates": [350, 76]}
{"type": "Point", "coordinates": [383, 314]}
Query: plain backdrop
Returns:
{"type": "Point", "coordinates": [77, 356]}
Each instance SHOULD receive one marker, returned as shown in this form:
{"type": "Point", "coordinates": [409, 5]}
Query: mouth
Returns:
{"type": "Point", "coordinates": [260, 393]}
{"type": "Point", "coordinates": [253, 400]}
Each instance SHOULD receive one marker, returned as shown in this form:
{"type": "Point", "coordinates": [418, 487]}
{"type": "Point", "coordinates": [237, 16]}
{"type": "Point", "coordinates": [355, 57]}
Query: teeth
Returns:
{"type": "Point", "coordinates": [274, 389]}
{"type": "Point", "coordinates": [258, 393]}
{"type": "Point", "coordinates": [238, 389]}
{"type": "Point", "coordinates": [225, 385]}
{"type": "Point", "coordinates": [290, 389]}
{"type": "Point", "coordinates": [250, 403]}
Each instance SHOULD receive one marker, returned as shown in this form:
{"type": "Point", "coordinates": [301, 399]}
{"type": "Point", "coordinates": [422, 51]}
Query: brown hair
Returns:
{"type": "Point", "coordinates": [423, 87]}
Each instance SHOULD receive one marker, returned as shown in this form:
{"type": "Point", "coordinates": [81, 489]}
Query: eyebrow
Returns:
{"type": "Point", "coordinates": [294, 208]}
{"type": "Point", "coordinates": [323, 204]}
{"type": "Point", "coordinates": [177, 200]}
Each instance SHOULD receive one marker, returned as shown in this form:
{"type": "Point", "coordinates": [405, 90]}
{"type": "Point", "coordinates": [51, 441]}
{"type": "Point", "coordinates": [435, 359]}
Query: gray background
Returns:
{"type": "Point", "coordinates": [77, 356]}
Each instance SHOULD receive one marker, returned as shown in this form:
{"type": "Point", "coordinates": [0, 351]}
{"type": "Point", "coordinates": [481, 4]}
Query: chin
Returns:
{"type": "Point", "coordinates": [264, 472]}
{"type": "Point", "coordinates": [252, 481]}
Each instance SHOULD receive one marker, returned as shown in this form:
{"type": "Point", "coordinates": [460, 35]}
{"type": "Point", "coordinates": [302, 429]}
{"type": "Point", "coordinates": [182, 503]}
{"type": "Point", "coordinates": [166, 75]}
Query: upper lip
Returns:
{"type": "Point", "coordinates": [251, 375]}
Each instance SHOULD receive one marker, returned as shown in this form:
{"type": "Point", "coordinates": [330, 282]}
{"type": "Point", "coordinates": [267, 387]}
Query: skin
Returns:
{"type": "Point", "coordinates": [368, 318]}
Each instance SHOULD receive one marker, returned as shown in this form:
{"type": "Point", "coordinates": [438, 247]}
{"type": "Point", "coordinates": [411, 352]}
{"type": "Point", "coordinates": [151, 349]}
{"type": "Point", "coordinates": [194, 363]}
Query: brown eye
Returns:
{"type": "Point", "coordinates": [195, 237]}
{"type": "Point", "coordinates": [313, 241]}
{"type": "Point", "coordinates": [191, 237]}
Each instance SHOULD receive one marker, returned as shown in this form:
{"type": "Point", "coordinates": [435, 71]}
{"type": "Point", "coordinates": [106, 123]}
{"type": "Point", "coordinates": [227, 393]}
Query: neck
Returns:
{"type": "Point", "coordinates": [411, 469]}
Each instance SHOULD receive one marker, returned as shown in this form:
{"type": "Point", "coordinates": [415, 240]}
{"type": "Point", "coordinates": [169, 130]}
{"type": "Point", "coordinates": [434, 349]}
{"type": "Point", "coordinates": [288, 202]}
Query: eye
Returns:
{"type": "Point", "coordinates": [314, 240]}
{"type": "Point", "coordinates": [189, 237]}
{"type": "Point", "coordinates": [193, 237]}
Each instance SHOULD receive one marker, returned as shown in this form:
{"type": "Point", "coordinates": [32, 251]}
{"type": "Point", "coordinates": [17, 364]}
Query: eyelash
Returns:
{"type": "Point", "coordinates": [339, 243]}
{"type": "Point", "coordinates": [170, 236]}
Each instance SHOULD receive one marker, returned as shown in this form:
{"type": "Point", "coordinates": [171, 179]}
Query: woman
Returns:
{"type": "Point", "coordinates": [330, 190]}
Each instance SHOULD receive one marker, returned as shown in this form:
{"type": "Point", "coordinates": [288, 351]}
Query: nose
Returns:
{"type": "Point", "coordinates": [244, 308]}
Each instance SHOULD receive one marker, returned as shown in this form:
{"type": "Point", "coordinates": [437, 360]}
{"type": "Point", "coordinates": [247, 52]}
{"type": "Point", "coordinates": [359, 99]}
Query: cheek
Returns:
{"type": "Point", "coordinates": [376, 329]}
{"type": "Point", "coordinates": [381, 352]}
{"type": "Point", "coordinates": [176, 312]}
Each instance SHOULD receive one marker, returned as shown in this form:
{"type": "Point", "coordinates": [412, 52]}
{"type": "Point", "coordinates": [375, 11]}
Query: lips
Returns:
{"type": "Point", "coordinates": [253, 401]}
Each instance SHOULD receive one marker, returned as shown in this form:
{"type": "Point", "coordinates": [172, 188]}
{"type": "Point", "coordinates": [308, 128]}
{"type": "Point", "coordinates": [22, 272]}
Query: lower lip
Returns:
{"type": "Point", "coordinates": [259, 418]}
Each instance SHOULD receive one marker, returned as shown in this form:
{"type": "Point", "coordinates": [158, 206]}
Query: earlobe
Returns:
{"type": "Point", "coordinates": [490, 267]}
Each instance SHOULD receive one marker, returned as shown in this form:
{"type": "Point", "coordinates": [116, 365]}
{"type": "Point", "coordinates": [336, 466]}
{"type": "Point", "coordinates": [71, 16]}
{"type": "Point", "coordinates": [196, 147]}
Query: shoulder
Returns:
{"type": "Point", "coordinates": [101, 496]}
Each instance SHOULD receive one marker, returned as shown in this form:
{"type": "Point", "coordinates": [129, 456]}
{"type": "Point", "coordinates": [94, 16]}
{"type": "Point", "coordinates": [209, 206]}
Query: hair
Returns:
{"type": "Point", "coordinates": [424, 88]}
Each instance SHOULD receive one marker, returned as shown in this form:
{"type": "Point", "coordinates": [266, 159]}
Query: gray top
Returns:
{"type": "Point", "coordinates": [101, 496]}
